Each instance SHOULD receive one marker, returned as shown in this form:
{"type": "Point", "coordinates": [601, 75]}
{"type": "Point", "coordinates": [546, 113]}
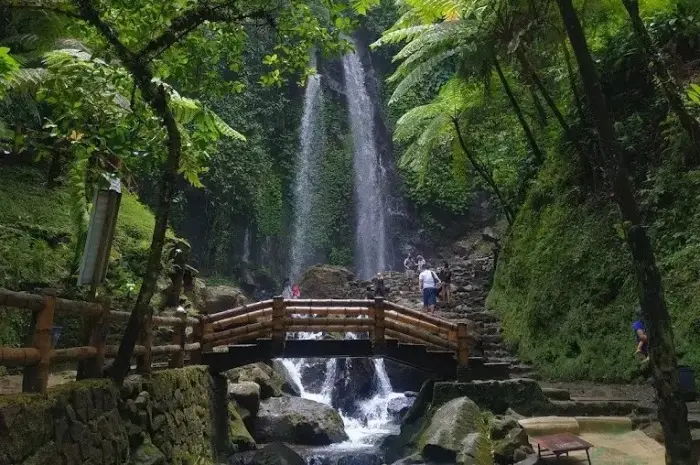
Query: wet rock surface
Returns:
{"type": "Point", "coordinates": [354, 382]}
{"type": "Point", "coordinates": [298, 421]}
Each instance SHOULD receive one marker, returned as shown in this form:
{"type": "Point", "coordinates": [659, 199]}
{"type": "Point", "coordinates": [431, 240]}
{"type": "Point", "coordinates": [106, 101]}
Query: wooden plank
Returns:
{"type": "Point", "coordinates": [250, 317]}
{"type": "Point", "coordinates": [410, 339]}
{"type": "Point", "coordinates": [19, 356]}
{"type": "Point", "coordinates": [328, 311]}
{"type": "Point", "coordinates": [223, 335]}
{"type": "Point", "coordinates": [74, 353]}
{"type": "Point", "coordinates": [311, 321]}
{"type": "Point", "coordinates": [411, 321]}
{"type": "Point", "coordinates": [237, 311]}
{"type": "Point", "coordinates": [362, 303]}
{"type": "Point", "coordinates": [424, 336]}
{"type": "Point", "coordinates": [421, 316]}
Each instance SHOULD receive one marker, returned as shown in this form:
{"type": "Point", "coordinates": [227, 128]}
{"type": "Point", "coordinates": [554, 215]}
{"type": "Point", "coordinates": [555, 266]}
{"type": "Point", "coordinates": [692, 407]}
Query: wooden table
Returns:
{"type": "Point", "coordinates": [562, 444]}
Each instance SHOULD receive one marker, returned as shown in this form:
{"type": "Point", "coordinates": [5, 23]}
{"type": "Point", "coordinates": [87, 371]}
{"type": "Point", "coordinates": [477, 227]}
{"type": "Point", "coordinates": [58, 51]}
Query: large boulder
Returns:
{"type": "Point", "coordinates": [246, 394]}
{"type": "Point", "coordinates": [289, 385]}
{"type": "Point", "coordinates": [269, 380]}
{"type": "Point", "coordinates": [298, 421]}
{"type": "Point", "coordinates": [515, 444]}
{"type": "Point", "coordinates": [523, 395]}
{"type": "Point", "coordinates": [147, 453]}
{"type": "Point", "coordinates": [449, 427]}
{"type": "Point", "coordinates": [220, 298]}
{"type": "Point", "coordinates": [313, 374]}
{"type": "Point", "coordinates": [354, 382]}
{"type": "Point", "coordinates": [277, 454]}
{"type": "Point", "coordinates": [325, 282]}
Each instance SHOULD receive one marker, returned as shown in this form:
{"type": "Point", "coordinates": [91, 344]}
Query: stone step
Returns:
{"type": "Point", "coordinates": [600, 407]}
{"type": "Point", "coordinates": [497, 353]}
{"type": "Point", "coordinates": [490, 337]}
{"type": "Point", "coordinates": [486, 317]}
{"type": "Point", "coordinates": [492, 346]}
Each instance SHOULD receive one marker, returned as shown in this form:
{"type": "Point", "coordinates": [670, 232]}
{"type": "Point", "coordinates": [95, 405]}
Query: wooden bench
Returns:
{"type": "Point", "coordinates": [562, 444]}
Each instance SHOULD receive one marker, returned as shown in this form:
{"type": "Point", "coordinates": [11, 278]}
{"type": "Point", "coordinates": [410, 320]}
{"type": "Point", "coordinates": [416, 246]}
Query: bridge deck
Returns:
{"type": "Point", "coordinates": [440, 364]}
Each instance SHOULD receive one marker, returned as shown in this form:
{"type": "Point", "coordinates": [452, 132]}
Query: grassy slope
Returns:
{"type": "Point", "coordinates": [37, 242]}
{"type": "Point", "coordinates": [564, 285]}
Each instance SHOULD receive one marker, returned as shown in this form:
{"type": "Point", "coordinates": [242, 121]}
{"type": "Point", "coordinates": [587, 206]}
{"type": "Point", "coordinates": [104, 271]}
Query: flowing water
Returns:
{"type": "Point", "coordinates": [246, 246]}
{"type": "Point", "coordinates": [370, 185]}
{"type": "Point", "coordinates": [305, 197]}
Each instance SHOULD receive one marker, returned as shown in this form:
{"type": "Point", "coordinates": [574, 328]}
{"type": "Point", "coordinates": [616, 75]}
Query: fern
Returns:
{"type": "Point", "coordinates": [416, 75]}
{"type": "Point", "coordinates": [223, 128]}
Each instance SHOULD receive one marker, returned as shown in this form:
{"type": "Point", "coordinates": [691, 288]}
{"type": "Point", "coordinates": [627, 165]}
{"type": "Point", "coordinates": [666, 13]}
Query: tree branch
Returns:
{"type": "Point", "coordinates": [193, 18]}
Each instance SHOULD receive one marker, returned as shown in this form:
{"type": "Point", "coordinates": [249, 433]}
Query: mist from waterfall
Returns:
{"type": "Point", "coordinates": [305, 196]}
{"type": "Point", "coordinates": [370, 196]}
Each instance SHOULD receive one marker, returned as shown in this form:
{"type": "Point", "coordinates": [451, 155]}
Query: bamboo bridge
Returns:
{"type": "Point", "coordinates": [250, 333]}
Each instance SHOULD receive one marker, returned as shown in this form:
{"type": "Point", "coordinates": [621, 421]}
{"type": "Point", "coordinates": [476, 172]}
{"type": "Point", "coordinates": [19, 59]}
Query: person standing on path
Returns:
{"type": "Point", "coordinates": [446, 278]}
{"type": "Point", "coordinates": [408, 265]}
{"type": "Point", "coordinates": [421, 263]}
{"type": "Point", "coordinates": [296, 292]}
{"type": "Point", "coordinates": [428, 283]}
{"type": "Point", "coordinates": [287, 289]}
{"type": "Point", "coordinates": [379, 289]}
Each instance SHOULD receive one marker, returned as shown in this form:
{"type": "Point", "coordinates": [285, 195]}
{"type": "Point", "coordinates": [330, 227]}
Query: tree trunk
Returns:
{"type": "Point", "coordinates": [537, 153]}
{"type": "Point", "coordinates": [673, 414]}
{"type": "Point", "coordinates": [142, 309]}
{"type": "Point", "coordinates": [485, 175]}
{"type": "Point", "coordinates": [539, 108]}
{"type": "Point", "coordinates": [573, 84]}
{"type": "Point", "coordinates": [668, 84]}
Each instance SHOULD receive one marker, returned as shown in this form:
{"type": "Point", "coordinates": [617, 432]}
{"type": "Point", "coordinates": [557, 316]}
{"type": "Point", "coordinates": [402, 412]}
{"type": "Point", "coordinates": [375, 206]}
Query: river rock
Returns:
{"type": "Point", "coordinates": [515, 443]}
{"type": "Point", "coordinates": [238, 435]}
{"type": "Point", "coordinates": [246, 394]}
{"type": "Point", "coordinates": [262, 374]}
{"type": "Point", "coordinates": [449, 427]}
{"type": "Point", "coordinates": [399, 406]}
{"type": "Point", "coordinates": [289, 386]}
{"type": "Point", "coordinates": [325, 282]}
{"type": "Point", "coordinates": [475, 450]}
{"type": "Point", "coordinates": [220, 298]}
{"type": "Point", "coordinates": [276, 454]}
{"type": "Point", "coordinates": [354, 382]}
{"type": "Point", "coordinates": [298, 421]}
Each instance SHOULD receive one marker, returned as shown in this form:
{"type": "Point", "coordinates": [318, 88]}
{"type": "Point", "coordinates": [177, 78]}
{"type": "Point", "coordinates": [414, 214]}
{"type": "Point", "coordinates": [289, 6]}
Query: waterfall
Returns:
{"type": "Point", "coordinates": [370, 195]}
{"type": "Point", "coordinates": [306, 174]}
{"type": "Point", "coordinates": [246, 246]}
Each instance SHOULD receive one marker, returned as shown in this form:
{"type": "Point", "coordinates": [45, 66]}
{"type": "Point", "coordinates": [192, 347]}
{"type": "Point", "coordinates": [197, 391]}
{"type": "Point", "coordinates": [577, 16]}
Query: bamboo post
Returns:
{"type": "Point", "coordinates": [378, 340]}
{"type": "Point", "coordinates": [177, 360]}
{"type": "Point", "coordinates": [197, 333]}
{"type": "Point", "coordinates": [36, 377]}
{"type": "Point", "coordinates": [462, 349]}
{"type": "Point", "coordinates": [278, 332]}
{"type": "Point", "coordinates": [98, 340]}
{"type": "Point", "coordinates": [143, 364]}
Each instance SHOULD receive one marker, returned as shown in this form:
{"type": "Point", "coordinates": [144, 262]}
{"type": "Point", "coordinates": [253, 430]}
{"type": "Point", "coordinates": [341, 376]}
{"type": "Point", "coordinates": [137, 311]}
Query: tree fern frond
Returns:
{"type": "Point", "coordinates": [184, 109]}
{"type": "Point", "coordinates": [399, 35]}
{"type": "Point", "coordinates": [437, 34]}
{"type": "Point", "coordinates": [413, 120]}
{"type": "Point", "coordinates": [26, 79]}
{"type": "Point", "coordinates": [416, 75]}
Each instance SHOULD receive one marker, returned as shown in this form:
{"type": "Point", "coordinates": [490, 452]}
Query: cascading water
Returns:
{"type": "Point", "coordinates": [246, 246]}
{"type": "Point", "coordinates": [370, 195]}
{"type": "Point", "coordinates": [305, 197]}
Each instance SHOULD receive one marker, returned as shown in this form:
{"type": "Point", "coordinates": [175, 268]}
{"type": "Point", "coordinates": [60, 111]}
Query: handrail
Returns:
{"type": "Point", "coordinates": [271, 319]}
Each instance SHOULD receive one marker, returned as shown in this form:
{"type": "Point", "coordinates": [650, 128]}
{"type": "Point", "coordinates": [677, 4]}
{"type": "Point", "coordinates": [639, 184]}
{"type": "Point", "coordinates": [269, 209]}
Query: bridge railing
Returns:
{"type": "Point", "coordinates": [273, 319]}
{"type": "Point", "coordinates": [380, 319]}
{"type": "Point", "coordinates": [39, 353]}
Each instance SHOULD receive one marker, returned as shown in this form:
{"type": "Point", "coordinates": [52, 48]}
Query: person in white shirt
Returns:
{"type": "Point", "coordinates": [287, 289]}
{"type": "Point", "coordinates": [420, 262]}
{"type": "Point", "coordinates": [428, 283]}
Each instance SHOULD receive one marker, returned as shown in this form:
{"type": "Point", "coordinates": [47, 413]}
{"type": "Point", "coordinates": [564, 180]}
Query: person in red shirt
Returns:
{"type": "Point", "coordinates": [296, 292]}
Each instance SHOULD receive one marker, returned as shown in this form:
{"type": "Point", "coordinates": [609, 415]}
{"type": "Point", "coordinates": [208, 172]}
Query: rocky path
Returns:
{"type": "Point", "coordinates": [471, 261]}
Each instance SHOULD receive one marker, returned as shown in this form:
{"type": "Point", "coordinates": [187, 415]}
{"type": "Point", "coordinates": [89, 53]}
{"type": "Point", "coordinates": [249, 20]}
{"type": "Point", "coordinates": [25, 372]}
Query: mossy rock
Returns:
{"type": "Point", "coordinates": [270, 381]}
{"type": "Point", "coordinates": [239, 438]}
{"type": "Point", "coordinates": [449, 426]}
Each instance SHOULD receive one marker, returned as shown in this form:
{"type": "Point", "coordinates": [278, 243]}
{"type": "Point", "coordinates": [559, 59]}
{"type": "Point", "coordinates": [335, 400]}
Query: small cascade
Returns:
{"type": "Point", "coordinates": [305, 196]}
{"type": "Point", "coordinates": [370, 184]}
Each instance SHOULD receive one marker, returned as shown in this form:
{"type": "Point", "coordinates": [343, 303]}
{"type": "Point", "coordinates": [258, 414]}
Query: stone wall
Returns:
{"type": "Point", "coordinates": [166, 418]}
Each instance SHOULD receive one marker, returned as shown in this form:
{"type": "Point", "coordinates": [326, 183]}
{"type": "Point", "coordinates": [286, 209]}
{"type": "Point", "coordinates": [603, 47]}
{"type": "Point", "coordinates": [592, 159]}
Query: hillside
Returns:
{"type": "Point", "coordinates": [37, 243]}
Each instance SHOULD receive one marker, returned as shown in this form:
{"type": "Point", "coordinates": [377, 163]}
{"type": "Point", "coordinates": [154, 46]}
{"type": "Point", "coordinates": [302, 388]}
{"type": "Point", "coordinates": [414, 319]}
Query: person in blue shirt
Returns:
{"type": "Point", "coordinates": [640, 333]}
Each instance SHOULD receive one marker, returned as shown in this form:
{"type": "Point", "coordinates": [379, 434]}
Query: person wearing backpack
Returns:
{"type": "Point", "coordinates": [429, 283]}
